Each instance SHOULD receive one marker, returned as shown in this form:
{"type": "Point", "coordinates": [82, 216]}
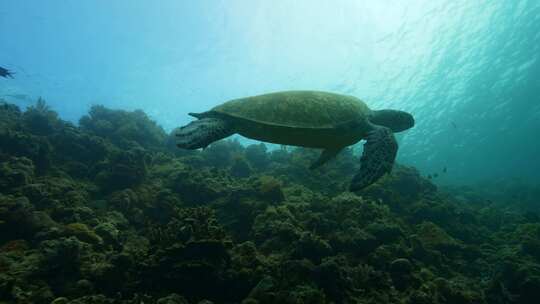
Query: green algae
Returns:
{"type": "Point", "coordinates": [117, 215]}
{"type": "Point", "coordinates": [83, 233]}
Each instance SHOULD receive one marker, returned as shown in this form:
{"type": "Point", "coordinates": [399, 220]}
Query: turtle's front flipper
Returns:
{"type": "Point", "coordinates": [200, 133]}
{"type": "Point", "coordinates": [326, 155]}
{"type": "Point", "coordinates": [378, 158]}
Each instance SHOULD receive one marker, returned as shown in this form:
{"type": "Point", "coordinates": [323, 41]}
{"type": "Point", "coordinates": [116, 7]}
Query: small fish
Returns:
{"type": "Point", "coordinates": [6, 73]}
{"type": "Point", "coordinates": [435, 175]}
{"type": "Point", "coordinates": [444, 170]}
{"type": "Point", "coordinates": [454, 125]}
{"type": "Point", "coordinates": [17, 96]}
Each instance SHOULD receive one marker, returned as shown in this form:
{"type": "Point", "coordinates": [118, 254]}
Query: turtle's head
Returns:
{"type": "Point", "coordinates": [397, 121]}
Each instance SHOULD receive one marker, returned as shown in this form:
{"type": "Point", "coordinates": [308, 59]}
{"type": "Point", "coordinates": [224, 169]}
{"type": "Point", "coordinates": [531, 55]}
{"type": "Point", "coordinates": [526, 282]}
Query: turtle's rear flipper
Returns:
{"type": "Point", "coordinates": [326, 155]}
{"type": "Point", "coordinates": [200, 133]}
{"type": "Point", "coordinates": [378, 158]}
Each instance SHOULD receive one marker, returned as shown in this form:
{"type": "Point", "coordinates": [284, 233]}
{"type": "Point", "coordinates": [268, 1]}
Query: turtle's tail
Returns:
{"type": "Point", "coordinates": [200, 133]}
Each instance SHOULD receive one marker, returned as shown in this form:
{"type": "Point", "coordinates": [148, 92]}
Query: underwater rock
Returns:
{"type": "Point", "coordinates": [61, 256]}
{"type": "Point", "coordinates": [60, 300]}
{"type": "Point", "coordinates": [257, 156]}
{"type": "Point", "coordinates": [10, 116]}
{"type": "Point", "coordinates": [292, 167]}
{"type": "Point", "coordinates": [401, 273]}
{"type": "Point", "coordinates": [81, 288]}
{"type": "Point", "coordinates": [127, 205]}
{"type": "Point", "coordinates": [221, 154]}
{"type": "Point", "coordinates": [109, 218]}
{"type": "Point", "coordinates": [270, 189]}
{"type": "Point", "coordinates": [401, 266]}
{"type": "Point", "coordinates": [73, 146]}
{"type": "Point", "coordinates": [107, 232]}
{"type": "Point", "coordinates": [198, 187]}
{"type": "Point", "coordinates": [240, 167]}
{"type": "Point", "coordinates": [356, 241]}
{"type": "Point", "coordinates": [15, 246]}
{"type": "Point", "coordinates": [246, 205]}
{"type": "Point", "coordinates": [124, 201]}
{"type": "Point", "coordinates": [75, 214]}
{"type": "Point", "coordinates": [385, 232]}
{"type": "Point", "coordinates": [94, 299]}
{"type": "Point", "coordinates": [276, 229]}
{"type": "Point", "coordinates": [19, 269]}
{"type": "Point", "coordinates": [262, 292]}
{"type": "Point", "coordinates": [37, 292]}
{"type": "Point", "coordinates": [301, 294]}
{"type": "Point", "coordinates": [161, 205]}
{"type": "Point", "coordinates": [40, 119]}
{"type": "Point", "coordinates": [25, 133]}
{"type": "Point", "coordinates": [188, 225]}
{"type": "Point", "coordinates": [294, 272]}
{"type": "Point", "coordinates": [456, 292]}
{"type": "Point", "coordinates": [191, 255]}
{"type": "Point", "coordinates": [434, 237]}
{"type": "Point", "coordinates": [18, 219]}
{"type": "Point", "coordinates": [311, 247]}
{"type": "Point", "coordinates": [192, 269]}
{"type": "Point", "coordinates": [123, 128]}
{"type": "Point", "coordinates": [213, 251]}
{"type": "Point", "coordinates": [435, 211]}
{"type": "Point", "coordinates": [531, 247]}
{"type": "Point", "coordinates": [15, 142]}
{"type": "Point", "coordinates": [408, 183]}
{"type": "Point", "coordinates": [125, 169]}
{"type": "Point", "coordinates": [354, 219]}
{"type": "Point", "coordinates": [66, 200]}
{"type": "Point", "coordinates": [104, 274]}
{"type": "Point", "coordinates": [172, 299]}
{"type": "Point", "coordinates": [401, 188]}
{"type": "Point", "coordinates": [336, 279]}
{"type": "Point", "coordinates": [528, 235]}
{"type": "Point", "coordinates": [384, 253]}
{"type": "Point", "coordinates": [83, 233]}
{"type": "Point", "coordinates": [358, 210]}
{"type": "Point", "coordinates": [249, 264]}
{"type": "Point", "coordinates": [16, 172]}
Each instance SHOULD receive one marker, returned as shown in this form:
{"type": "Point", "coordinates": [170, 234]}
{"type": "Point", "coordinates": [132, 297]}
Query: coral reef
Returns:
{"type": "Point", "coordinates": [122, 128]}
{"type": "Point", "coordinates": [110, 212]}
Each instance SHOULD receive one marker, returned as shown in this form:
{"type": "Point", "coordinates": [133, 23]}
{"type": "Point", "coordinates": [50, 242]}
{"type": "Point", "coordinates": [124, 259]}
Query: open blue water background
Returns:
{"type": "Point", "coordinates": [468, 70]}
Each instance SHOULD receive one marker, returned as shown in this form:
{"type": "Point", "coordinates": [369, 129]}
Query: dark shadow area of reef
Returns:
{"type": "Point", "coordinates": [111, 212]}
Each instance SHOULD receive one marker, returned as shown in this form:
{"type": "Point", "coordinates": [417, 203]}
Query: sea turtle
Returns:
{"type": "Point", "coordinates": [311, 119]}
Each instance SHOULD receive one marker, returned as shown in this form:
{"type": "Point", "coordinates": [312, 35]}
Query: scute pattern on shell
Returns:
{"type": "Point", "coordinates": [303, 109]}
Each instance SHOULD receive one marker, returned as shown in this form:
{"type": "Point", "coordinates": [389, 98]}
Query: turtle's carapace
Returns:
{"type": "Point", "coordinates": [311, 119]}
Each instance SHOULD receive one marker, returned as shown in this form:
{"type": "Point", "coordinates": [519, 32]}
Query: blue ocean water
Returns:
{"type": "Point", "coordinates": [467, 70]}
